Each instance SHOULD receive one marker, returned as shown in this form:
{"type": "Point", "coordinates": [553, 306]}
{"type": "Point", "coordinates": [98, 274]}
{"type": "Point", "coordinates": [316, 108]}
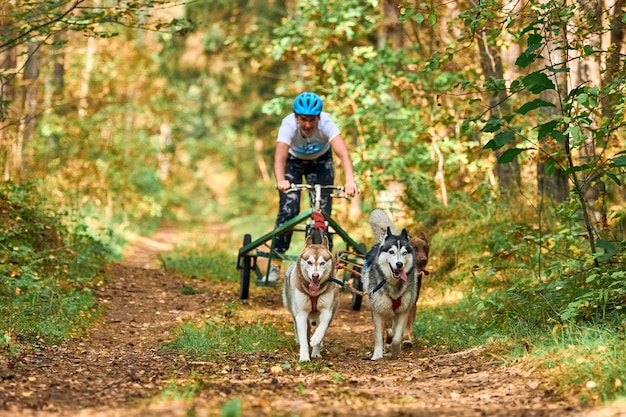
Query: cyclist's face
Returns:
{"type": "Point", "coordinates": [307, 123]}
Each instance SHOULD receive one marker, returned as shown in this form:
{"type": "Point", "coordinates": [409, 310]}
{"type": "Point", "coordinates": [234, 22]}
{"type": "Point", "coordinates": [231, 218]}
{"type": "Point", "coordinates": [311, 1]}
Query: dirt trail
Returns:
{"type": "Point", "coordinates": [120, 367]}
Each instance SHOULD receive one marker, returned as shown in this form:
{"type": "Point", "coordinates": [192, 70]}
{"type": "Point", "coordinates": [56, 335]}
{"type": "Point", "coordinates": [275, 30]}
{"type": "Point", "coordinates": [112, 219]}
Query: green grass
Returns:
{"type": "Point", "coordinates": [203, 257]}
{"type": "Point", "coordinates": [215, 338]}
{"type": "Point", "coordinates": [590, 357]}
{"type": "Point", "coordinates": [196, 263]}
{"type": "Point", "coordinates": [181, 391]}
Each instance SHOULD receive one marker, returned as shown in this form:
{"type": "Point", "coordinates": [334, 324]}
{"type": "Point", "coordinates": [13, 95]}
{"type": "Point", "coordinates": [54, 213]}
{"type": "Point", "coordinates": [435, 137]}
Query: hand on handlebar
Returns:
{"type": "Point", "coordinates": [351, 189]}
{"type": "Point", "coordinates": [283, 185]}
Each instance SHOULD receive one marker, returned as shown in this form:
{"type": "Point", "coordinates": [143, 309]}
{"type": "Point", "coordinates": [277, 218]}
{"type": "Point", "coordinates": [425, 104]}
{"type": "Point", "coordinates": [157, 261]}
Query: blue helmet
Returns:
{"type": "Point", "coordinates": [307, 104]}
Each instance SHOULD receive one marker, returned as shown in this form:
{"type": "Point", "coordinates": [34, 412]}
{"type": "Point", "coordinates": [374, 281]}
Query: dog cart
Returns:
{"type": "Point", "coordinates": [312, 222]}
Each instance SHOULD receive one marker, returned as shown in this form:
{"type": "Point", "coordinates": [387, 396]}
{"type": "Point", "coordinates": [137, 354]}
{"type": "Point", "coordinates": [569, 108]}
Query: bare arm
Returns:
{"type": "Point", "coordinates": [341, 150]}
{"type": "Point", "coordinates": [280, 160]}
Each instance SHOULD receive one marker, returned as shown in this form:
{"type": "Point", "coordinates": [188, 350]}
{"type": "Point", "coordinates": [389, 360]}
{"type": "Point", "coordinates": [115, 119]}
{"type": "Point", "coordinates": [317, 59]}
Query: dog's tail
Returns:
{"type": "Point", "coordinates": [379, 222]}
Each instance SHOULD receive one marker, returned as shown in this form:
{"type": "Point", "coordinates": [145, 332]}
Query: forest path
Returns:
{"type": "Point", "coordinates": [119, 368]}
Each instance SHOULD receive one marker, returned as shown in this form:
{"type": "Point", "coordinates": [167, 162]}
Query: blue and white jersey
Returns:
{"type": "Point", "coordinates": [307, 147]}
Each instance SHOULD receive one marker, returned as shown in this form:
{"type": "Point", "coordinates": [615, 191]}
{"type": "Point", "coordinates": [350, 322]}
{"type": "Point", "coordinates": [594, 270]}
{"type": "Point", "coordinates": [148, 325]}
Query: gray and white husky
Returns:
{"type": "Point", "coordinates": [310, 296]}
{"type": "Point", "coordinates": [390, 279]}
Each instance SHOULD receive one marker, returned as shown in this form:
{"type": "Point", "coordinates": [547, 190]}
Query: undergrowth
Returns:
{"type": "Point", "coordinates": [528, 292]}
{"type": "Point", "coordinates": [47, 272]}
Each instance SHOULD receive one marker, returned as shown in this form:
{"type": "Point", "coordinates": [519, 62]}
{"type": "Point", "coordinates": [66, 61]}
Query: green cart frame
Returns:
{"type": "Point", "coordinates": [350, 260]}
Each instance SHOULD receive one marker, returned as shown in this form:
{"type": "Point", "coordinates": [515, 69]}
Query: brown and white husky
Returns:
{"type": "Point", "coordinates": [311, 297]}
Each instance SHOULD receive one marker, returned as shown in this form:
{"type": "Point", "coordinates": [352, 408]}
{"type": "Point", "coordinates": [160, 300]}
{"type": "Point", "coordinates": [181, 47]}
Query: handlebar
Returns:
{"type": "Point", "coordinates": [298, 187]}
{"type": "Point", "coordinates": [315, 191]}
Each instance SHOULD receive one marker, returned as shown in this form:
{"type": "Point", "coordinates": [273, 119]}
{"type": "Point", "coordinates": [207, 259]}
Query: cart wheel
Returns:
{"type": "Point", "coordinates": [244, 272]}
{"type": "Point", "coordinates": [357, 299]}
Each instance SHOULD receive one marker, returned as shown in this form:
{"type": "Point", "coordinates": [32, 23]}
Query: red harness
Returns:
{"type": "Point", "coordinates": [396, 303]}
{"type": "Point", "coordinates": [320, 222]}
{"type": "Point", "coordinates": [314, 303]}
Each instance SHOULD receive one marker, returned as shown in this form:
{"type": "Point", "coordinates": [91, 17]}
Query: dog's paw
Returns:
{"type": "Point", "coordinates": [304, 354]}
{"type": "Point", "coordinates": [407, 343]}
{"type": "Point", "coordinates": [316, 339]}
{"type": "Point", "coordinates": [378, 354]}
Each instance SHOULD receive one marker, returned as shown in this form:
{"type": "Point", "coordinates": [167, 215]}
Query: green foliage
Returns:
{"type": "Point", "coordinates": [220, 337]}
{"type": "Point", "coordinates": [523, 293]}
{"type": "Point", "coordinates": [581, 118]}
{"type": "Point", "coordinates": [47, 271]}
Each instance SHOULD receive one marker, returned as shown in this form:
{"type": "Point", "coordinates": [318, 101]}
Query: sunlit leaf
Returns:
{"type": "Point", "coordinates": [432, 17]}
{"type": "Point", "coordinates": [406, 13]}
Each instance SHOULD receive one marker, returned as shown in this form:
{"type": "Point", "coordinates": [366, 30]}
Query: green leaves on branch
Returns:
{"type": "Point", "coordinates": [533, 105]}
{"type": "Point", "coordinates": [37, 21]}
{"type": "Point", "coordinates": [536, 82]}
{"type": "Point", "coordinates": [419, 15]}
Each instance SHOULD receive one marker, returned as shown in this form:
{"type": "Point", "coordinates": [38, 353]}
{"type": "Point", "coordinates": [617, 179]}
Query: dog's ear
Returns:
{"type": "Point", "coordinates": [404, 234]}
{"type": "Point", "coordinates": [388, 233]}
{"type": "Point", "coordinates": [423, 237]}
{"type": "Point", "coordinates": [325, 242]}
{"type": "Point", "coordinates": [309, 241]}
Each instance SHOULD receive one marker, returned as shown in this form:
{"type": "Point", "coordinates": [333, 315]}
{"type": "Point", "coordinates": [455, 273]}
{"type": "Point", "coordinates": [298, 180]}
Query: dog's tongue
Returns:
{"type": "Point", "coordinates": [403, 276]}
{"type": "Point", "coordinates": [314, 286]}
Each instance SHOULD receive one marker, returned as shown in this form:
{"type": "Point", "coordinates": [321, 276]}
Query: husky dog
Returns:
{"type": "Point", "coordinates": [390, 278]}
{"type": "Point", "coordinates": [310, 296]}
{"type": "Point", "coordinates": [379, 221]}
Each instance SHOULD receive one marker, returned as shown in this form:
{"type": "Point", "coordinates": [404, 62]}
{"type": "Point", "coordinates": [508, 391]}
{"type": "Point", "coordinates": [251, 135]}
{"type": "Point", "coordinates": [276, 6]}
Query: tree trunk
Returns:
{"type": "Point", "coordinates": [555, 186]}
{"type": "Point", "coordinates": [86, 76]}
{"type": "Point", "coordinates": [8, 63]}
{"type": "Point", "coordinates": [391, 29]}
{"type": "Point", "coordinates": [583, 71]}
{"type": "Point", "coordinates": [30, 108]}
{"type": "Point", "coordinates": [509, 176]}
